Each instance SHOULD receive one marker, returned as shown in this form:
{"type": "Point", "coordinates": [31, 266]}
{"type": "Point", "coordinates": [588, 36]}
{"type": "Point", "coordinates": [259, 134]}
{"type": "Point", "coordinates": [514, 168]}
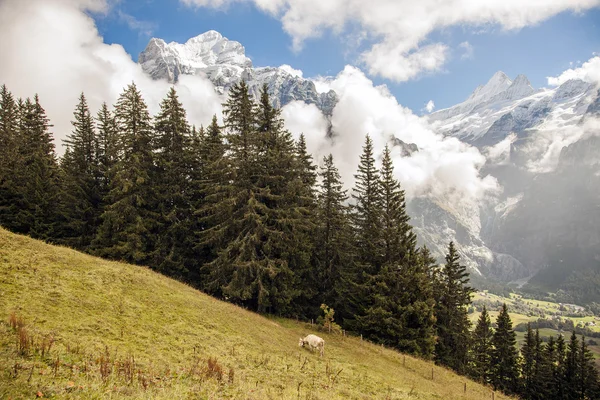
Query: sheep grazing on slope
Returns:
{"type": "Point", "coordinates": [313, 342]}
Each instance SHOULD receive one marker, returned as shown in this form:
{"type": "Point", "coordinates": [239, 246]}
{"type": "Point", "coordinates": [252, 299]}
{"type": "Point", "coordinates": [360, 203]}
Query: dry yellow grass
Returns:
{"type": "Point", "coordinates": [107, 330]}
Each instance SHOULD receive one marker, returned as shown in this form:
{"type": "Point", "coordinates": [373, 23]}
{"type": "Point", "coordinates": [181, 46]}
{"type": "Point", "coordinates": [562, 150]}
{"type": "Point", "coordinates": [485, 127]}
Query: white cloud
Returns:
{"type": "Point", "coordinates": [442, 167]}
{"type": "Point", "coordinates": [499, 154]}
{"type": "Point", "coordinates": [430, 106]}
{"type": "Point", "coordinates": [589, 72]}
{"type": "Point", "coordinates": [400, 28]}
{"type": "Point", "coordinates": [292, 71]}
{"type": "Point", "coordinates": [467, 50]}
{"type": "Point", "coordinates": [322, 83]}
{"type": "Point", "coordinates": [547, 144]}
{"type": "Point", "coordinates": [396, 61]}
{"type": "Point", "coordinates": [307, 119]}
{"type": "Point", "coordinates": [52, 47]}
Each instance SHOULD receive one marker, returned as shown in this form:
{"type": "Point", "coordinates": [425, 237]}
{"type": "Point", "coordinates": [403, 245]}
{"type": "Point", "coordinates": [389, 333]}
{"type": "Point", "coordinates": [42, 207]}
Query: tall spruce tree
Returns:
{"type": "Point", "coordinates": [10, 194]}
{"type": "Point", "coordinates": [587, 373]}
{"type": "Point", "coordinates": [504, 356]}
{"type": "Point", "coordinates": [529, 363]}
{"type": "Point", "coordinates": [333, 238]}
{"type": "Point", "coordinates": [453, 323]}
{"type": "Point", "coordinates": [400, 309]}
{"type": "Point", "coordinates": [228, 233]}
{"type": "Point", "coordinates": [481, 348]}
{"type": "Point", "coordinates": [367, 213]}
{"type": "Point", "coordinates": [108, 150]}
{"type": "Point", "coordinates": [572, 372]}
{"type": "Point", "coordinates": [404, 262]}
{"type": "Point", "coordinates": [257, 266]}
{"type": "Point", "coordinates": [39, 174]}
{"type": "Point", "coordinates": [302, 198]}
{"type": "Point", "coordinates": [173, 160]}
{"type": "Point", "coordinates": [212, 199]}
{"type": "Point", "coordinates": [366, 220]}
{"type": "Point", "coordinates": [82, 195]}
{"type": "Point", "coordinates": [559, 370]}
{"type": "Point", "coordinates": [128, 224]}
{"type": "Point", "coordinates": [283, 187]}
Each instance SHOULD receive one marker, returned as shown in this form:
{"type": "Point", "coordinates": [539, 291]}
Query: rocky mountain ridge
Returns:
{"type": "Point", "coordinates": [224, 63]}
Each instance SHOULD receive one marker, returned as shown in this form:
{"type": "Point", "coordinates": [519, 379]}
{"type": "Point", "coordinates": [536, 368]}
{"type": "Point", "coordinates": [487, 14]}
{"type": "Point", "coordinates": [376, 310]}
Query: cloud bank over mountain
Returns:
{"type": "Point", "coordinates": [441, 166]}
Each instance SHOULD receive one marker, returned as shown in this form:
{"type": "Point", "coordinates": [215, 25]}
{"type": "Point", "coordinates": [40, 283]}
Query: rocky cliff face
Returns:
{"type": "Point", "coordinates": [224, 62]}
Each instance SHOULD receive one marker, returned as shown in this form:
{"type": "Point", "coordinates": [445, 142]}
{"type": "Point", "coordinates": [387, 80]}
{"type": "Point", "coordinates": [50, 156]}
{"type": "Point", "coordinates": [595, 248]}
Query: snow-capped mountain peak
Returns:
{"type": "Point", "coordinates": [502, 106]}
{"type": "Point", "coordinates": [224, 62]}
{"type": "Point", "coordinates": [212, 48]}
{"type": "Point", "coordinates": [520, 87]}
{"type": "Point", "coordinates": [570, 89]}
{"type": "Point", "coordinates": [498, 83]}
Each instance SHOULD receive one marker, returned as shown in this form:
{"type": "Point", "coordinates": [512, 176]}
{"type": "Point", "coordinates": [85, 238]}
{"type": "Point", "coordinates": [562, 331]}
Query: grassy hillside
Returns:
{"type": "Point", "coordinates": [75, 326]}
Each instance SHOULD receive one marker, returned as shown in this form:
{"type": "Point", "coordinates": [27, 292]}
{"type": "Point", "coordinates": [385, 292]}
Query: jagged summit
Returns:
{"type": "Point", "coordinates": [206, 36]}
{"type": "Point", "coordinates": [200, 54]}
{"type": "Point", "coordinates": [224, 62]}
{"type": "Point", "coordinates": [521, 80]}
{"type": "Point", "coordinates": [499, 88]}
{"type": "Point", "coordinates": [498, 83]}
{"type": "Point", "coordinates": [519, 88]}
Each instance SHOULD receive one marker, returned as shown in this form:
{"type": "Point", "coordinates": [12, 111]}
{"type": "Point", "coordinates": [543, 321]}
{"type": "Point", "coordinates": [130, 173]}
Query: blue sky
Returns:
{"type": "Point", "coordinates": [538, 51]}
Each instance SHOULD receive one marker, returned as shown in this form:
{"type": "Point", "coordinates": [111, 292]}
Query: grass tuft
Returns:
{"type": "Point", "coordinates": [24, 340]}
{"type": "Point", "coordinates": [213, 369]}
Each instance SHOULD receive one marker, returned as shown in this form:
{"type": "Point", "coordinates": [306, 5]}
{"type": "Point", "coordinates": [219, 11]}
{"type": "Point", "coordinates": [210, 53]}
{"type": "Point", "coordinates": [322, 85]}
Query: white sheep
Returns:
{"type": "Point", "coordinates": [313, 342]}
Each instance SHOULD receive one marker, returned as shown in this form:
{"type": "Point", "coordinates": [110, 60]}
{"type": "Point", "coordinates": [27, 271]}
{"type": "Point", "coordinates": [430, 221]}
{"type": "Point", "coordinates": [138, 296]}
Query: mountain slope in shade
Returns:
{"type": "Point", "coordinates": [554, 228]}
{"type": "Point", "coordinates": [543, 225]}
{"type": "Point", "coordinates": [224, 62]}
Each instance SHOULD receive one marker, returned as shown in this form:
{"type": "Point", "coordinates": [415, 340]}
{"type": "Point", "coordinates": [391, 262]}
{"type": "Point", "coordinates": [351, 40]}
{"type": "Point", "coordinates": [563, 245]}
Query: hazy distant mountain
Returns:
{"type": "Point", "coordinates": [548, 219]}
